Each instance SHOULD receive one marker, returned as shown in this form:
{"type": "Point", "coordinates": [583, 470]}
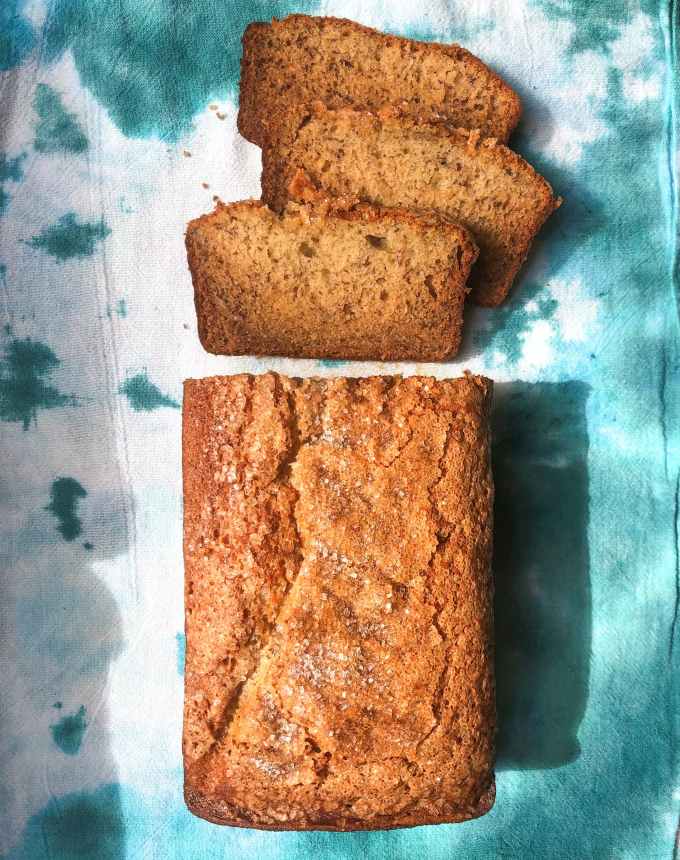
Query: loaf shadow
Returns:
{"type": "Point", "coordinates": [66, 630]}
{"type": "Point", "coordinates": [541, 568]}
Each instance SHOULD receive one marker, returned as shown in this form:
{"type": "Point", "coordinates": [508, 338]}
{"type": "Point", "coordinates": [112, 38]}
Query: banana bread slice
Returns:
{"type": "Point", "coordinates": [345, 64]}
{"type": "Point", "coordinates": [393, 160]}
{"type": "Point", "coordinates": [338, 593]}
{"type": "Point", "coordinates": [329, 279]}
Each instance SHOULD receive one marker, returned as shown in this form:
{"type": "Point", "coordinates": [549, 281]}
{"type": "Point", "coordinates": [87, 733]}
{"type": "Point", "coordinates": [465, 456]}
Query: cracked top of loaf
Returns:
{"type": "Point", "coordinates": [339, 668]}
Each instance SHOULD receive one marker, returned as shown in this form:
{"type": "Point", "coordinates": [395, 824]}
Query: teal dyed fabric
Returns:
{"type": "Point", "coordinates": [118, 126]}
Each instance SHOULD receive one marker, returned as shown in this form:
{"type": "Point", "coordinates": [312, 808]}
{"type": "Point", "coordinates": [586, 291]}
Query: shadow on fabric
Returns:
{"type": "Point", "coordinates": [64, 631]}
{"type": "Point", "coordinates": [582, 213]}
{"type": "Point", "coordinates": [541, 567]}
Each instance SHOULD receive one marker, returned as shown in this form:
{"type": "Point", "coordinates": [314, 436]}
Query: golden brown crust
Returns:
{"type": "Point", "coordinates": [360, 303]}
{"type": "Point", "coordinates": [247, 121]}
{"type": "Point", "coordinates": [504, 234]}
{"type": "Point", "coordinates": [339, 669]}
{"type": "Point", "coordinates": [272, 82]}
{"type": "Point", "coordinates": [223, 813]}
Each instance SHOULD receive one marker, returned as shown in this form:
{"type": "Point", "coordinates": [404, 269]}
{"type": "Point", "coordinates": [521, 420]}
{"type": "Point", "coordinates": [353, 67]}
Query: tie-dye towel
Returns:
{"type": "Point", "coordinates": [117, 125]}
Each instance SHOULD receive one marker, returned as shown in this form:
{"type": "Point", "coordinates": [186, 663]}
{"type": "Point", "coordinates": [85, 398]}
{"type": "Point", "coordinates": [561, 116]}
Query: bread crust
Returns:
{"type": "Point", "coordinates": [338, 599]}
{"type": "Point", "coordinates": [258, 105]}
{"type": "Point", "coordinates": [222, 813]}
{"type": "Point", "coordinates": [283, 154]}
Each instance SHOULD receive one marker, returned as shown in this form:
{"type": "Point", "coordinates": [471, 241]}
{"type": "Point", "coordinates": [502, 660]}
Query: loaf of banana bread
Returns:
{"type": "Point", "coordinates": [337, 543]}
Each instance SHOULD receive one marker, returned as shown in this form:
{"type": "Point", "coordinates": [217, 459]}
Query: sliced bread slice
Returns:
{"type": "Point", "coordinates": [345, 64]}
{"type": "Point", "coordinates": [393, 160]}
{"type": "Point", "coordinates": [329, 280]}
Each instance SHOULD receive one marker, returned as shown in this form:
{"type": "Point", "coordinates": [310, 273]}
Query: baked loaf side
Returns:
{"type": "Point", "coordinates": [348, 65]}
{"type": "Point", "coordinates": [329, 280]}
{"type": "Point", "coordinates": [393, 160]}
{"type": "Point", "coordinates": [339, 667]}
